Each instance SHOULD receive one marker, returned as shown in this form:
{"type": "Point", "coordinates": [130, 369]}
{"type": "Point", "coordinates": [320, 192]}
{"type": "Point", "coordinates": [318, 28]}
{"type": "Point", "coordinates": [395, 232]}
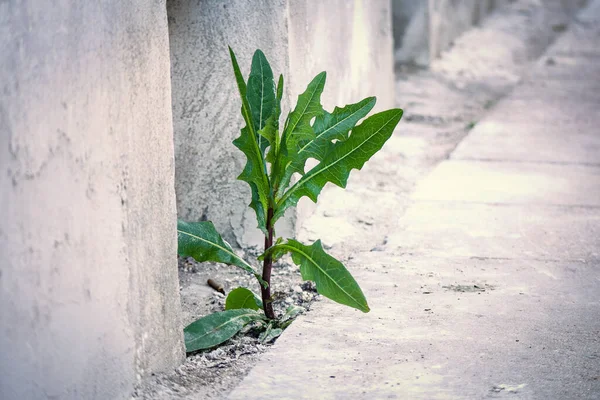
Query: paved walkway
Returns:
{"type": "Point", "coordinates": [489, 286]}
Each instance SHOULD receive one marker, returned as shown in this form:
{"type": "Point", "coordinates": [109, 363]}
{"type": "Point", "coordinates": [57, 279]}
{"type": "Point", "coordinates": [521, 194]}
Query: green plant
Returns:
{"type": "Point", "coordinates": [337, 143]}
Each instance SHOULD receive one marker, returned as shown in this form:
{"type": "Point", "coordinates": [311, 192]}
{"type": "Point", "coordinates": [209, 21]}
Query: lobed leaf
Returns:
{"type": "Point", "coordinates": [216, 328]}
{"type": "Point", "coordinates": [365, 140]}
{"type": "Point", "coordinates": [334, 126]}
{"type": "Point", "coordinates": [242, 298]}
{"type": "Point", "coordinates": [254, 172]}
{"type": "Point", "coordinates": [330, 276]}
{"type": "Point", "coordinates": [308, 106]}
{"type": "Point", "coordinates": [328, 127]}
{"type": "Point", "coordinates": [298, 128]}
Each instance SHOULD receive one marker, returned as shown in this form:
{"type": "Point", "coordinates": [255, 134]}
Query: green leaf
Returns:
{"type": "Point", "coordinates": [201, 241]}
{"type": "Point", "coordinates": [254, 172]}
{"type": "Point", "coordinates": [260, 94]}
{"type": "Point", "coordinates": [216, 328]}
{"type": "Point", "coordinates": [308, 106]}
{"type": "Point", "coordinates": [330, 276]}
{"type": "Point", "coordinates": [242, 298]}
{"type": "Point", "coordinates": [271, 129]}
{"type": "Point", "coordinates": [292, 312]}
{"type": "Point", "coordinates": [298, 128]}
{"type": "Point", "coordinates": [328, 127]}
{"type": "Point", "coordinates": [269, 334]}
{"type": "Point", "coordinates": [365, 140]}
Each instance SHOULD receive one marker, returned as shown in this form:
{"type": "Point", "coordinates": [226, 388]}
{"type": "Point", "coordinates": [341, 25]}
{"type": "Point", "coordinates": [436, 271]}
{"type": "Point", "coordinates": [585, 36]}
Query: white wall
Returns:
{"type": "Point", "coordinates": [89, 299]}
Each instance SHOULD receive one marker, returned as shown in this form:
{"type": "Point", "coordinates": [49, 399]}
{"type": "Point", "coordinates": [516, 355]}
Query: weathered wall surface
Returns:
{"type": "Point", "coordinates": [351, 40]}
{"type": "Point", "coordinates": [206, 104]}
{"type": "Point", "coordinates": [425, 28]}
{"type": "Point", "coordinates": [89, 298]}
{"type": "Point", "coordinates": [411, 31]}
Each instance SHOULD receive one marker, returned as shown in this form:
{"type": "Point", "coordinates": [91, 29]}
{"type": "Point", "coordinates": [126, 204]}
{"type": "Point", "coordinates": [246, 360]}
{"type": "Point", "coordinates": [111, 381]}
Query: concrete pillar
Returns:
{"type": "Point", "coordinates": [89, 299]}
{"type": "Point", "coordinates": [423, 29]}
{"type": "Point", "coordinates": [411, 31]}
{"type": "Point", "coordinates": [447, 20]}
{"type": "Point", "coordinates": [352, 41]}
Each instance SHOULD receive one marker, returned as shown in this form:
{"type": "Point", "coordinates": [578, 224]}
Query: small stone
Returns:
{"type": "Point", "coordinates": [289, 300]}
{"type": "Point", "coordinates": [297, 289]}
{"type": "Point", "coordinates": [216, 354]}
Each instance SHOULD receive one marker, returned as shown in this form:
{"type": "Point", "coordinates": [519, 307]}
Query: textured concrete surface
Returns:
{"type": "Point", "coordinates": [481, 290]}
{"type": "Point", "coordinates": [89, 300]}
{"type": "Point", "coordinates": [351, 40]}
{"type": "Point", "coordinates": [512, 183]}
{"type": "Point", "coordinates": [566, 143]}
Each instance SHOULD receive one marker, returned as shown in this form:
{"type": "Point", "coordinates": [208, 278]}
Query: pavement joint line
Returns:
{"type": "Point", "coordinates": [488, 258]}
{"type": "Point", "coordinates": [537, 162]}
{"type": "Point", "coordinates": [566, 54]}
{"type": "Point", "coordinates": [503, 204]}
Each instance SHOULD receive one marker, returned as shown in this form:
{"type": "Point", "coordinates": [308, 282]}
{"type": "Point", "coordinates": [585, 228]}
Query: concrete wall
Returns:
{"type": "Point", "coordinates": [425, 28]}
{"type": "Point", "coordinates": [351, 40]}
{"type": "Point", "coordinates": [89, 299]}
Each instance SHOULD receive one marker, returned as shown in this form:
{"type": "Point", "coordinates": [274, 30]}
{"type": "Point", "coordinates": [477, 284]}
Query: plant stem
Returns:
{"type": "Point", "coordinates": [267, 266]}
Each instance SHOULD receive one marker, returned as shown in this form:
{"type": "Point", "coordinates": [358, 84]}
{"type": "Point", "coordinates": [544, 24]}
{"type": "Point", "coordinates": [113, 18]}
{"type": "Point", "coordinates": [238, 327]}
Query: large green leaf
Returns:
{"type": "Point", "coordinates": [298, 128]}
{"type": "Point", "coordinates": [328, 127]}
{"type": "Point", "coordinates": [308, 106]}
{"type": "Point", "coordinates": [330, 276]}
{"type": "Point", "coordinates": [271, 129]}
{"type": "Point", "coordinates": [260, 94]}
{"type": "Point", "coordinates": [254, 172]}
{"type": "Point", "coordinates": [365, 140]}
{"type": "Point", "coordinates": [242, 298]}
{"type": "Point", "coordinates": [216, 328]}
{"type": "Point", "coordinates": [201, 241]}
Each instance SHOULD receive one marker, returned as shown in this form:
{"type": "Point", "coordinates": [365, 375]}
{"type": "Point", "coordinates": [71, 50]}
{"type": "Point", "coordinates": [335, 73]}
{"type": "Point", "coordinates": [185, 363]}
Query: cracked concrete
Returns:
{"type": "Point", "coordinates": [484, 283]}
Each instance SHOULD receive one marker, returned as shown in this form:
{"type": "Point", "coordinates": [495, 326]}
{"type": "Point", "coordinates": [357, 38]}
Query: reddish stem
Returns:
{"type": "Point", "coordinates": [267, 267]}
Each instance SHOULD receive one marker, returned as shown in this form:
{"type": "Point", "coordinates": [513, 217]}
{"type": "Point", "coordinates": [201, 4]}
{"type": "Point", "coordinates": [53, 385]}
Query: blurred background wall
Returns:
{"type": "Point", "coordinates": [424, 28]}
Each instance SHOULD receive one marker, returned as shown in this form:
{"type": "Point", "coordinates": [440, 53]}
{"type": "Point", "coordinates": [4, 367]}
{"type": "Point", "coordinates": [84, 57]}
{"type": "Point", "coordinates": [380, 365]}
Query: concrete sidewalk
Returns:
{"type": "Point", "coordinates": [489, 286]}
